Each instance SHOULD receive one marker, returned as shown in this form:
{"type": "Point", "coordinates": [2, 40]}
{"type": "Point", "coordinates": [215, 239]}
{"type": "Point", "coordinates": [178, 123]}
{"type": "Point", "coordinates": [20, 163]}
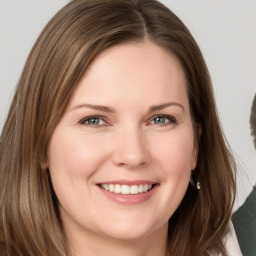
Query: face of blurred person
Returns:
{"type": "Point", "coordinates": [121, 156]}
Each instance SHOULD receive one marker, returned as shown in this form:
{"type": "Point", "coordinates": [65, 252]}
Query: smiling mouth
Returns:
{"type": "Point", "coordinates": [126, 189]}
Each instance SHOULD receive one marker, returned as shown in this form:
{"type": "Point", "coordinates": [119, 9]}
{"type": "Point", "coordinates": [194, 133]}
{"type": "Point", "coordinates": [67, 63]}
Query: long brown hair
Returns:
{"type": "Point", "coordinates": [29, 218]}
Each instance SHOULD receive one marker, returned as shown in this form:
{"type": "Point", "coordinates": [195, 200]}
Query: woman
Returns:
{"type": "Point", "coordinates": [112, 145]}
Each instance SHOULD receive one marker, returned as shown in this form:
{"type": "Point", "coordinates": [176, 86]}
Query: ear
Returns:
{"type": "Point", "coordinates": [198, 133]}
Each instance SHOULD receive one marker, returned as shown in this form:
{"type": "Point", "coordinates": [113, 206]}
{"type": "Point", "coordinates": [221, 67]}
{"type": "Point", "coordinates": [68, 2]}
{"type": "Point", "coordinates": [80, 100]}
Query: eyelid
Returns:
{"type": "Point", "coordinates": [83, 120]}
{"type": "Point", "coordinates": [172, 119]}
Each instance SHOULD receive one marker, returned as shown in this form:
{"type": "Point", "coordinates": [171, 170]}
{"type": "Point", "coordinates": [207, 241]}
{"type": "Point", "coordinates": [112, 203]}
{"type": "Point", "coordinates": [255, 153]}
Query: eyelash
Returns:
{"type": "Point", "coordinates": [85, 121]}
{"type": "Point", "coordinates": [171, 119]}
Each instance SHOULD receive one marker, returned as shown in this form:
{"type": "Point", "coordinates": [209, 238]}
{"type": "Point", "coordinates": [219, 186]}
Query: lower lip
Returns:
{"type": "Point", "coordinates": [129, 199]}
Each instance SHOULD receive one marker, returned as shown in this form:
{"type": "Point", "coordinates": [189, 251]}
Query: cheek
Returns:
{"type": "Point", "coordinates": [174, 156]}
{"type": "Point", "coordinates": [72, 161]}
{"type": "Point", "coordinates": [74, 155]}
{"type": "Point", "coordinates": [175, 152]}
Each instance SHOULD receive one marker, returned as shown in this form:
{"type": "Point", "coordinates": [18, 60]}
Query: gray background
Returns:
{"type": "Point", "coordinates": [224, 30]}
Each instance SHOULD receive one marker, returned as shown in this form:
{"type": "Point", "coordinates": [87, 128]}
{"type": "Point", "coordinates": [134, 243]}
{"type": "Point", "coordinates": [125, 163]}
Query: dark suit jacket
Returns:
{"type": "Point", "coordinates": [244, 221]}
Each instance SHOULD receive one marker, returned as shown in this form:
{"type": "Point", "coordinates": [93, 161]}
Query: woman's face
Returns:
{"type": "Point", "coordinates": [121, 156]}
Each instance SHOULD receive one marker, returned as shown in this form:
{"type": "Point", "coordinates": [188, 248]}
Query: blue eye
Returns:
{"type": "Point", "coordinates": [163, 120]}
{"type": "Point", "coordinates": [93, 121]}
{"type": "Point", "coordinates": [160, 120]}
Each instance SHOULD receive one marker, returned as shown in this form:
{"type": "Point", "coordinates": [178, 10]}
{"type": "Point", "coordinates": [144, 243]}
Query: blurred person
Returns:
{"type": "Point", "coordinates": [244, 219]}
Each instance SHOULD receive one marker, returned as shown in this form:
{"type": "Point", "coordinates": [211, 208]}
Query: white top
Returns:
{"type": "Point", "coordinates": [231, 242]}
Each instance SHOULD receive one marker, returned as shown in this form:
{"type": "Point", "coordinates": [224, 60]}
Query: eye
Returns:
{"type": "Point", "coordinates": [94, 121]}
{"type": "Point", "coordinates": [162, 120]}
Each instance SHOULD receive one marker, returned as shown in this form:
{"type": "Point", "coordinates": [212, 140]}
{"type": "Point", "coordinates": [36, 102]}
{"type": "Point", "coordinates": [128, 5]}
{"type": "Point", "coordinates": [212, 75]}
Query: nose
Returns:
{"type": "Point", "coordinates": [131, 149]}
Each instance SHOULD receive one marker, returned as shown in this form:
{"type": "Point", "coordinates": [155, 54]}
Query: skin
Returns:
{"type": "Point", "coordinates": [127, 142]}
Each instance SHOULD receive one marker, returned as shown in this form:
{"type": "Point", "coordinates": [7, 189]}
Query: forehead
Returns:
{"type": "Point", "coordinates": [133, 71]}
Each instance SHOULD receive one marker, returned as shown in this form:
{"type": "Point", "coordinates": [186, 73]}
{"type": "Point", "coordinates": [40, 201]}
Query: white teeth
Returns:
{"type": "Point", "coordinates": [145, 188]}
{"type": "Point", "coordinates": [134, 189]}
{"type": "Point", "coordinates": [126, 189]}
{"type": "Point", "coordinates": [111, 187]}
{"type": "Point", "coordinates": [117, 189]}
{"type": "Point", "coordinates": [141, 188]}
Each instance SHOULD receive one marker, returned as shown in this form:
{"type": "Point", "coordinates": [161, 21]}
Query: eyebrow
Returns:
{"type": "Point", "coordinates": [111, 110]}
{"type": "Point", "coordinates": [163, 106]}
{"type": "Point", "coordinates": [95, 107]}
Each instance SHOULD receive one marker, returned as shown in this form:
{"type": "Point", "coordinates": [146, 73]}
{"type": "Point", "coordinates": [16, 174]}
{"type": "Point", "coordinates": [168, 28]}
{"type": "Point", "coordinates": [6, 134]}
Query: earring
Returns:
{"type": "Point", "coordinates": [198, 185]}
{"type": "Point", "coordinates": [192, 178]}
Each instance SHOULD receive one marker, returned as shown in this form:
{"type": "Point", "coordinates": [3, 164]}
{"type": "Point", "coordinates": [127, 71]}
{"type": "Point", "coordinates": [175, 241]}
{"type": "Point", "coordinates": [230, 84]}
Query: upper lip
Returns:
{"type": "Point", "coordinates": [128, 182]}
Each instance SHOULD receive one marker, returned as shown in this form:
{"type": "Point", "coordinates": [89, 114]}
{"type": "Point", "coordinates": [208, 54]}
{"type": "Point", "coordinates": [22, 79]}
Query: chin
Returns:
{"type": "Point", "coordinates": [129, 230]}
{"type": "Point", "coordinates": [127, 235]}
